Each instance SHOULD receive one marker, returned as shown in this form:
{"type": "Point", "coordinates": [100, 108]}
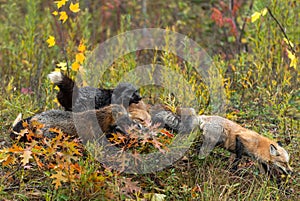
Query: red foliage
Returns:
{"type": "Point", "coordinates": [217, 17]}
{"type": "Point", "coordinates": [220, 18]}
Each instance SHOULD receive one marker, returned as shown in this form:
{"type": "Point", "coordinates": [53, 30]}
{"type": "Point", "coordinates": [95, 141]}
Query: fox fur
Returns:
{"type": "Point", "coordinates": [78, 99]}
{"type": "Point", "coordinates": [235, 138]}
{"type": "Point", "coordinates": [109, 119]}
{"type": "Point", "coordinates": [140, 116]}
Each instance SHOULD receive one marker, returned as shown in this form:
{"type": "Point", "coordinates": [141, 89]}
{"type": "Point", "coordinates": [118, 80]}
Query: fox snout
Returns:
{"type": "Point", "coordinates": [280, 158]}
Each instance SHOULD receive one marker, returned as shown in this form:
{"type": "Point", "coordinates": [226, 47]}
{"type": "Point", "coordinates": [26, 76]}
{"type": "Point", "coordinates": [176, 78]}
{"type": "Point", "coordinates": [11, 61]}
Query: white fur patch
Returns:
{"type": "Point", "coordinates": [55, 77]}
{"type": "Point", "coordinates": [19, 118]}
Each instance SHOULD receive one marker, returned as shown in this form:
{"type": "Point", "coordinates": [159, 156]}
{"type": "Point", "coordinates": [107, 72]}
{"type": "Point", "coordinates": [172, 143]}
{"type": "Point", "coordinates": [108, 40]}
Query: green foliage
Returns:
{"type": "Point", "coordinates": [252, 60]}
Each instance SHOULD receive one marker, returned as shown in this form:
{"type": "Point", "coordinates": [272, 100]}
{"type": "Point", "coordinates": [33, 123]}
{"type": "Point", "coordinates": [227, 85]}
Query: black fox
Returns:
{"type": "Point", "coordinates": [78, 99]}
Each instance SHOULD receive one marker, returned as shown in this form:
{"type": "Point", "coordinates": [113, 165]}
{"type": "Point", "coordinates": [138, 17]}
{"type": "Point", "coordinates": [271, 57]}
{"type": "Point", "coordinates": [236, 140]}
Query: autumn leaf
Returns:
{"type": "Point", "coordinates": [131, 186]}
{"type": "Point", "coordinates": [167, 133]}
{"type": "Point", "coordinates": [55, 100]}
{"type": "Point", "coordinates": [158, 145]}
{"type": "Point", "coordinates": [56, 88]}
{"type": "Point", "coordinates": [63, 16]}
{"type": "Point", "coordinates": [256, 15]}
{"type": "Point", "coordinates": [217, 17]}
{"type": "Point", "coordinates": [80, 58]}
{"type": "Point", "coordinates": [38, 161]}
{"type": "Point", "coordinates": [264, 11]}
{"type": "Point", "coordinates": [75, 66]}
{"type": "Point", "coordinates": [15, 149]}
{"type": "Point", "coordinates": [9, 160]}
{"type": "Point", "coordinates": [81, 47]}
{"type": "Point", "coordinates": [62, 66]}
{"type": "Point", "coordinates": [26, 156]}
{"type": "Point", "coordinates": [292, 58]}
{"type": "Point", "coordinates": [51, 41]}
{"type": "Point", "coordinates": [55, 13]}
{"type": "Point", "coordinates": [73, 147]}
{"type": "Point", "coordinates": [74, 7]}
{"type": "Point", "coordinates": [61, 3]}
{"type": "Point", "coordinates": [58, 178]}
{"type": "Point", "coordinates": [4, 155]}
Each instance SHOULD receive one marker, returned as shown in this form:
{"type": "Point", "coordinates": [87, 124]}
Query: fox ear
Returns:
{"type": "Point", "coordinates": [273, 150]}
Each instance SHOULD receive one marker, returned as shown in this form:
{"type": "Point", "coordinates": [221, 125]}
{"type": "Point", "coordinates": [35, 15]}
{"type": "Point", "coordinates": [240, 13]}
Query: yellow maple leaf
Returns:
{"type": "Point", "coordinates": [55, 100]}
{"type": "Point", "coordinates": [255, 16]}
{"type": "Point", "coordinates": [62, 65]}
{"type": "Point", "coordinates": [293, 59]}
{"type": "Point", "coordinates": [61, 3]}
{"type": "Point", "coordinates": [80, 58]}
{"type": "Point", "coordinates": [51, 41]}
{"type": "Point", "coordinates": [55, 13]}
{"type": "Point", "coordinates": [63, 16]}
{"type": "Point", "coordinates": [56, 88]}
{"type": "Point", "coordinates": [81, 47]}
{"type": "Point", "coordinates": [74, 7]}
{"type": "Point", "coordinates": [264, 11]}
{"type": "Point", "coordinates": [75, 66]}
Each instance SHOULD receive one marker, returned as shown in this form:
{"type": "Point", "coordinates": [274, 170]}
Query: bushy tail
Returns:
{"type": "Point", "coordinates": [62, 81]}
{"type": "Point", "coordinates": [66, 89]}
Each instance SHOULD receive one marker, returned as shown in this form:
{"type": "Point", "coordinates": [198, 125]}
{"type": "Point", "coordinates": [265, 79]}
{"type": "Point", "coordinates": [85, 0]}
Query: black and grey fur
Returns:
{"type": "Point", "coordinates": [87, 125]}
{"type": "Point", "coordinates": [78, 99]}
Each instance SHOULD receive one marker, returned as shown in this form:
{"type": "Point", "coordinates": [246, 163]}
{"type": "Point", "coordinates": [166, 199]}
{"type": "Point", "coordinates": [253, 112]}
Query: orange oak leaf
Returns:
{"type": "Point", "coordinates": [58, 178]}
{"type": "Point", "coordinates": [26, 156]}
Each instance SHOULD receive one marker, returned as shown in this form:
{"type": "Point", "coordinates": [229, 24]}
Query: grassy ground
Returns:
{"type": "Point", "coordinates": [256, 69]}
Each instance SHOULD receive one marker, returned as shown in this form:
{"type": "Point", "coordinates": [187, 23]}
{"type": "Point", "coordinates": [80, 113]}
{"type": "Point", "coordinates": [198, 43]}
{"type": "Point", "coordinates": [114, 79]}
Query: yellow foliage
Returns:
{"type": "Point", "coordinates": [61, 3]}
{"type": "Point", "coordinates": [80, 58]}
{"type": "Point", "coordinates": [62, 65]}
{"type": "Point", "coordinates": [63, 16]}
{"type": "Point", "coordinates": [55, 13]}
{"type": "Point", "coordinates": [75, 66]}
{"type": "Point", "coordinates": [74, 7]}
{"type": "Point", "coordinates": [51, 41]}
{"type": "Point", "coordinates": [293, 59]}
{"type": "Point", "coordinates": [256, 15]}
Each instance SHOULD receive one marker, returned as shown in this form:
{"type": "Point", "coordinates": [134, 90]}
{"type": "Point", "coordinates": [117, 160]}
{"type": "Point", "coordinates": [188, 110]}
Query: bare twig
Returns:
{"type": "Point", "coordinates": [282, 30]}
{"type": "Point", "coordinates": [244, 23]}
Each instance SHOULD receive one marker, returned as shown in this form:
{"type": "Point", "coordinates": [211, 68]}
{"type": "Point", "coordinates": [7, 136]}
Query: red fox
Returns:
{"type": "Point", "coordinates": [235, 138]}
{"type": "Point", "coordinates": [140, 116]}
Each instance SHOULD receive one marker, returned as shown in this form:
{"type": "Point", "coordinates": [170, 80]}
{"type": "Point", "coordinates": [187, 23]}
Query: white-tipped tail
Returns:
{"type": "Point", "coordinates": [55, 77]}
{"type": "Point", "coordinates": [19, 118]}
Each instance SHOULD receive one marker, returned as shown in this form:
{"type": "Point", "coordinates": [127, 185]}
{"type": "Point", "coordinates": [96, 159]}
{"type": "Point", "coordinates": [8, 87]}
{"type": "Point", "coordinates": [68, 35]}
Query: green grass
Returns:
{"type": "Point", "coordinates": [261, 88]}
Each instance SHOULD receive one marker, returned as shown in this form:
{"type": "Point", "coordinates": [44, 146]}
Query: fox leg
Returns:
{"type": "Point", "coordinates": [212, 136]}
{"type": "Point", "coordinates": [239, 148]}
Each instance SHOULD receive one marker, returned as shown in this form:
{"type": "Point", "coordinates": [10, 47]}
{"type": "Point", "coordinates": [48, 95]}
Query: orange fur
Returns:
{"type": "Point", "coordinates": [141, 116]}
{"type": "Point", "coordinates": [218, 130]}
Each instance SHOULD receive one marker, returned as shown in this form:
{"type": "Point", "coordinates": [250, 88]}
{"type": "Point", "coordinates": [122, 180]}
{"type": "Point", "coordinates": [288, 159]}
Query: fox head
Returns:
{"type": "Point", "coordinates": [141, 116]}
{"type": "Point", "coordinates": [280, 158]}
